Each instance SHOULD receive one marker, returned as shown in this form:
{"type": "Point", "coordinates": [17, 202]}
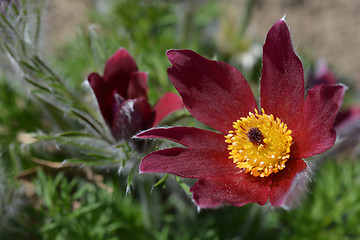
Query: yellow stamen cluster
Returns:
{"type": "Point", "coordinates": [260, 144]}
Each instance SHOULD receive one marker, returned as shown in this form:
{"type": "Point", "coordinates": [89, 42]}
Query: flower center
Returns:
{"type": "Point", "coordinates": [260, 144]}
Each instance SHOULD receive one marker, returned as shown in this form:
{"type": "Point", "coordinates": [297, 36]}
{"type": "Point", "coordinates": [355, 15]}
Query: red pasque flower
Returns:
{"type": "Point", "coordinates": [253, 155]}
{"type": "Point", "coordinates": [122, 97]}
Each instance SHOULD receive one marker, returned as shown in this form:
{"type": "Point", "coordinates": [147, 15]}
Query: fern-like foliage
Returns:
{"type": "Point", "coordinates": [76, 126]}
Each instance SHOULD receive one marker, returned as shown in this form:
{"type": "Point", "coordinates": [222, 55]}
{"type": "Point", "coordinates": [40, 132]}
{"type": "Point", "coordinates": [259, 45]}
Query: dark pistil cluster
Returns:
{"type": "Point", "coordinates": [255, 135]}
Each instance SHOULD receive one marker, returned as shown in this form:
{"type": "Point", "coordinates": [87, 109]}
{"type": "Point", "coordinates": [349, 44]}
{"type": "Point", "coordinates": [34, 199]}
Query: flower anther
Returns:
{"type": "Point", "coordinates": [260, 144]}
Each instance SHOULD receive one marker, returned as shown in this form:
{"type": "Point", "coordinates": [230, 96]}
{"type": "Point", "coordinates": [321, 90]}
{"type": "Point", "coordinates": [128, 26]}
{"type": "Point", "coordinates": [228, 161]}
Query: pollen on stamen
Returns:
{"type": "Point", "coordinates": [259, 144]}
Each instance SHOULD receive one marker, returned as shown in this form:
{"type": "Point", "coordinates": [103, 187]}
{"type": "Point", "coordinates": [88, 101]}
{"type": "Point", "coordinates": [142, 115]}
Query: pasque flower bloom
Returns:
{"type": "Point", "coordinates": [254, 155]}
{"type": "Point", "coordinates": [122, 97]}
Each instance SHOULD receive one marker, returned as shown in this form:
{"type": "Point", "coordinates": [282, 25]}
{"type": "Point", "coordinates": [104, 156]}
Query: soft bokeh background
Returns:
{"type": "Point", "coordinates": [41, 198]}
{"type": "Point", "coordinates": [323, 29]}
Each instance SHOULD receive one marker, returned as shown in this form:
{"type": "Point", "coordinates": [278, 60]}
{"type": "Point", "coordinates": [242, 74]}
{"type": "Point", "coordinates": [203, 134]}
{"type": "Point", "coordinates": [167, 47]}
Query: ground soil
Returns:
{"type": "Point", "coordinates": [63, 19]}
{"type": "Point", "coordinates": [328, 29]}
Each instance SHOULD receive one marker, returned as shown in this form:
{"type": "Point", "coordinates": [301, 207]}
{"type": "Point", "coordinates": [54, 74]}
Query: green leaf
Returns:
{"type": "Point", "coordinates": [74, 134]}
{"type": "Point", "coordinates": [161, 181]}
{"type": "Point", "coordinates": [183, 185]}
{"type": "Point", "coordinates": [37, 85]}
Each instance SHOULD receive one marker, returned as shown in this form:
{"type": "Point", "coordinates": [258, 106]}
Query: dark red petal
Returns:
{"type": "Point", "coordinates": [166, 105]}
{"type": "Point", "coordinates": [118, 69]}
{"type": "Point", "coordinates": [236, 190]}
{"type": "Point", "coordinates": [282, 78]}
{"type": "Point", "coordinates": [137, 85]}
{"type": "Point", "coordinates": [283, 180]}
{"type": "Point", "coordinates": [103, 93]}
{"type": "Point", "coordinates": [132, 116]}
{"type": "Point", "coordinates": [347, 117]}
{"type": "Point", "coordinates": [189, 163]}
{"type": "Point", "coordinates": [207, 155]}
{"type": "Point", "coordinates": [347, 127]}
{"type": "Point", "coordinates": [317, 134]}
{"type": "Point", "coordinates": [116, 101]}
{"type": "Point", "coordinates": [214, 92]}
{"type": "Point", "coordinates": [193, 138]}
